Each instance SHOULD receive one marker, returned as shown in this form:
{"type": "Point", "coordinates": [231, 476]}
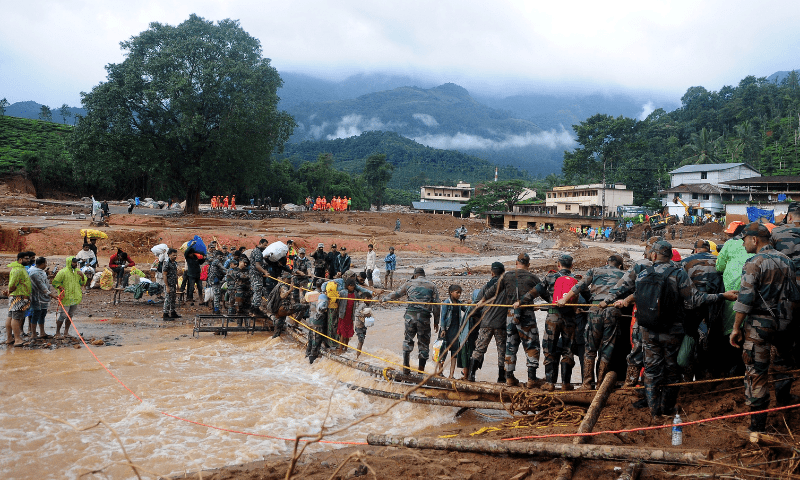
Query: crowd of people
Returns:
{"type": "Point", "coordinates": [707, 315]}
{"type": "Point", "coordinates": [222, 203]}
{"type": "Point", "coordinates": [336, 204]}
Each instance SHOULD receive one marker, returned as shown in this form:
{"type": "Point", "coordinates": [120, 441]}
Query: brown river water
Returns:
{"type": "Point", "coordinates": [245, 383]}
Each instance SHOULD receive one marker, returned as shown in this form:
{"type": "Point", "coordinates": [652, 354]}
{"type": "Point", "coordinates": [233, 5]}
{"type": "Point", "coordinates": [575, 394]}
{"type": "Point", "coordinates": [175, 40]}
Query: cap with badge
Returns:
{"type": "Point", "coordinates": [302, 250]}
{"type": "Point", "coordinates": [498, 267]}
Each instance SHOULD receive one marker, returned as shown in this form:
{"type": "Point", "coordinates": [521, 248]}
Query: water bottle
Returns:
{"type": "Point", "coordinates": [677, 432]}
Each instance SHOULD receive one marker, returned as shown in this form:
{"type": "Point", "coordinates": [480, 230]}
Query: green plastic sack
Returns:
{"type": "Point", "coordinates": [686, 351]}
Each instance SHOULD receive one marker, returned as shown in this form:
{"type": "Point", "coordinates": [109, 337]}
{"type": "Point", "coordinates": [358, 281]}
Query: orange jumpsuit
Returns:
{"type": "Point", "coordinates": [225, 202]}
{"type": "Point", "coordinates": [233, 203]}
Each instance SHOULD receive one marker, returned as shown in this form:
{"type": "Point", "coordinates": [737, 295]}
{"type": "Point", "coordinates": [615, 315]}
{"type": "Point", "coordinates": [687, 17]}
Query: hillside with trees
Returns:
{"type": "Point", "coordinates": [754, 122]}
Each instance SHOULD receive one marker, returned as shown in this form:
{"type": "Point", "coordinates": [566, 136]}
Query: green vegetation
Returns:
{"type": "Point", "coordinates": [414, 164]}
{"type": "Point", "coordinates": [495, 196]}
{"type": "Point", "coordinates": [191, 106]}
{"type": "Point", "coordinates": [755, 122]}
{"type": "Point", "coordinates": [21, 138]}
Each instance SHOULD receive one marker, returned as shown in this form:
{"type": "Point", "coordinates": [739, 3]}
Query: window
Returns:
{"type": "Point", "coordinates": [568, 207]}
{"type": "Point", "coordinates": [694, 196]}
{"type": "Point", "coordinates": [705, 196]}
{"type": "Point", "coordinates": [513, 225]}
{"type": "Point", "coordinates": [703, 175]}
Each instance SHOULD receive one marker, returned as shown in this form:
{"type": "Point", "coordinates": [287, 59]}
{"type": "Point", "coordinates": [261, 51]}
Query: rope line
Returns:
{"type": "Point", "coordinates": [223, 429]}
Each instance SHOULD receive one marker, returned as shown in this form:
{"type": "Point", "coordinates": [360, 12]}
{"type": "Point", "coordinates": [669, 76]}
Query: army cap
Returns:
{"type": "Point", "coordinates": [320, 245]}
{"type": "Point", "coordinates": [616, 258]}
{"type": "Point", "coordinates": [419, 271]}
{"type": "Point", "coordinates": [662, 247]}
{"type": "Point", "coordinates": [498, 267]}
{"type": "Point", "coordinates": [302, 250]}
{"type": "Point", "coordinates": [565, 258]}
{"type": "Point", "coordinates": [756, 229]}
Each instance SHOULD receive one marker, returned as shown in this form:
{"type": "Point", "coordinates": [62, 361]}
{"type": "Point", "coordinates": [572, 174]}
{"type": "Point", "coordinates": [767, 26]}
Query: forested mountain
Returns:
{"type": "Point", "coordinates": [444, 117]}
{"type": "Point", "coordinates": [32, 110]}
{"type": "Point", "coordinates": [754, 122]}
{"type": "Point", "coordinates": [414, 164]}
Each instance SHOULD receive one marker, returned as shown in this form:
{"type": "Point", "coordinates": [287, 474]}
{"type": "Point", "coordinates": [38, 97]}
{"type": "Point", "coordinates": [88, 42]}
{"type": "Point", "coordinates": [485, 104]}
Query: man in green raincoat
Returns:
{"type": "Point", "coordinates": [19, 298]}
{"type": "Point", "coordinates": [68, 281]}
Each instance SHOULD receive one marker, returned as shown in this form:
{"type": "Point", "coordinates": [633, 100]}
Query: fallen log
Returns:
{"type": "Point", "coordinates": [546, 449]}
{"type": "Point", "coordinates": [494, 389]}
{"type": "Point", "coordinates": [427, 400]}
{"type": "Point", "coordinates": [586, 426]}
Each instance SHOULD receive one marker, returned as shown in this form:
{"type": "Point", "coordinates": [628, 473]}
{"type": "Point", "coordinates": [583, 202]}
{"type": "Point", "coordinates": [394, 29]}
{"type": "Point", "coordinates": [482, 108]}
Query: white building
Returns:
{"type": "Point", "coordinates": [588, 200]}
{"type": "Point", "coordinates": [442, 199]}
{"type": "Point", "coordinates": [702, 187]}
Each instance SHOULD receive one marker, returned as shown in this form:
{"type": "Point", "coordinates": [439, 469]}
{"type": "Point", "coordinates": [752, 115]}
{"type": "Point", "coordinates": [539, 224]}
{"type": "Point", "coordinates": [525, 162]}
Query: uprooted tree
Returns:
{"type": "Point", "coordinates": [191, 107]}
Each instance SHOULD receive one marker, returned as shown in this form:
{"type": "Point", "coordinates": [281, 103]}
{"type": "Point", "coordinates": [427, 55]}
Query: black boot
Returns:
{"type": "Point", "coordinates": [501, 374]}
{"type": "Point", "coordinates": [473, 366]}
{"type": "Point", "coordinates": [758, 421]}
{"type": "Point", "coordinates": [406, 362]}
{"type": "Point", "coordinates": [422, 362]}
{"type": "Point", "coordinates": [566, 376]}
{"type": "Point", "coordinates": [653, 395]}
{"type": "Point", "coordinates": [642, 401]}
{"type": "Point", "coordinates": [550, 374]}
{"type": "Point", "coordinates": [669, 396]}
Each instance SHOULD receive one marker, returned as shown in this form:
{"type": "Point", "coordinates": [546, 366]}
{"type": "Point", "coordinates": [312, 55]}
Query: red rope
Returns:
{"type": "Point", "coordinates": [251, 434]}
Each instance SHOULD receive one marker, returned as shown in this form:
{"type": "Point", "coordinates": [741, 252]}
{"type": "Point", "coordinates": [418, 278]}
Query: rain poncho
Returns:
{"type": "Point", "coordinates": [70, 281]}
{"type": "Point", "coordinates": [19, 278]}
{"type": "Point", "coordinates": [730, 261]}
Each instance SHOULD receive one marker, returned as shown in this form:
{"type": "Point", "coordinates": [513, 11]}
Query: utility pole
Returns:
{"type": "Point", "coordinates": [603, 206]}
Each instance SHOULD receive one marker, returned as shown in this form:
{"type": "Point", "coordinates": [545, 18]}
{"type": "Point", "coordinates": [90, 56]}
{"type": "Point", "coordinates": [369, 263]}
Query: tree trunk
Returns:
{"type": "Point", "coordinates": [547, 449]}
{"type": "Point", "coordinates": [192, 200]}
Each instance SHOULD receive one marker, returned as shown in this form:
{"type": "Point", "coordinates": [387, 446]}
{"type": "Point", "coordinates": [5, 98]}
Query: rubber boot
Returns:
{"type": "Point", "coordinates": [642, 401]}
{"type": "Point", "coordinates": [549, 378]}
{"type": "Point", "coordinates": [501, 374]}
{"type": "Point", "coordinates": [473, 366]}
{"type": "Point", "coordinates": [588, 375]}
{"type": "Point", "coordinates": [669, 397]}
{"type": "Point", "coordinates": [653, 401]}
{"type": "Point", "coordinates": [422, 362]}
{"type": "Point", "coordinates": [601, 372]}
{"type": "Point", "coordinates": [631, 376]}
{"type": "Point", "coordinates": [783, 393]}
{"type": "Point", "coordinates": [533, 382]}
{"type": "Point", "coordinates": [174, 314]}
{"type": "Point", "coordinates": [406, 362]}
{"type": "Point", "coordinates": [758, 421]}
{"type": "Point", "coordinates": [566, 376]}
{"type": "Point", "coordinates": [166, 317]}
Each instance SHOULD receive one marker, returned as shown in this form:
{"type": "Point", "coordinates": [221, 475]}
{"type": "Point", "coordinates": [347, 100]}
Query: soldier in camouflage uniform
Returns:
{"type": "Point", "coordinates": [521, 328]}
{"type": "Point", "coordinates": [170, 271]}
{"type": "Point", "coordinates": [281, 304]}
{"type": "Point", "coordinates": [764, 307]}
{"type": "Point", "coordinates": [559, 324]}
{"type": "Point", "coordinates": [601, 329]}
{"type": "Point", "coordinates": [418, 317]}
{"type": "Point", "coordinates": [492, 324]}
{"type": "Point", "coordinates": [319, 261]}
{"type": "Point", "coordinates": [231, 278]}
{"type": "Point", "coordinates": [626, 284]}
{"type": "Point", "coordinates": [216, 274]}
{"type": "Point", "coordinates": [257, 275]}
{"type": "Point", "coordinates": [786, 239]}
{"type": "Point", "coordinates": [300, 272]}
{"type": "Point", "coordinates": [661, 344]}
{"type": "Point", "coordinates": [701, 267]}
{"type": "Point", "coordinates": [318, 322]}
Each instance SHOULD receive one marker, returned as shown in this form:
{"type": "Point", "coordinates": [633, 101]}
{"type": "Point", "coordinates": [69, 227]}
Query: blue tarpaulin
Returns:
{"type": "Point", "coordinates": [754, 214]}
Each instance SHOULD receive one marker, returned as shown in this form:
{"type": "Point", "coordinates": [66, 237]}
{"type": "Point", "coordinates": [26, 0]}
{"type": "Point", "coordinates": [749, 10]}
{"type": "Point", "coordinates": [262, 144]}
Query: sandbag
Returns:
{"type": "Point", "coordinates": [95, 280]}
{"type": "Point", "coordinates": [275, 251]}
{"type": "Point", "coordinates": [107, 280]}
{"type": "Point", "coordinates": [208, 294]}
{"type": "Point", "coordinates": [137, 272]}
{"type": "Point", "coordinates": [91, 233]}
{"type": "Point", "coordinates": [159, 249]}
{"type": "Point", "coordinates": [376, 276]}
{"type": "Point", "coordinates": [436, 349]}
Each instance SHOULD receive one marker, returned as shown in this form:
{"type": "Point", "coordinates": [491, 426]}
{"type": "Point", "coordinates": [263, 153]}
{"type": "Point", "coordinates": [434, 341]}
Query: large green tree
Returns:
{"type": "Point", "coordinates": [191, 107]}
{"type": "Point", "coordinates": [377, 173]}
{"type": "Point", "coordinates": [45, 114]}
{"type": "Point", "coordinates": [495, 195]}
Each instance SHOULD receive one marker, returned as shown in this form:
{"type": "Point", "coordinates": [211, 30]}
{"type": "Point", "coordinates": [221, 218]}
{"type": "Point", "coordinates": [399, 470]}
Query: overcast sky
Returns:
{"type": "Point", "coordinates": [50, 51]}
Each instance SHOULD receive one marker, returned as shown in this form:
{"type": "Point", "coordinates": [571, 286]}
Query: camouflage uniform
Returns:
{"type": "Point", "coordinates": [702, 271]}
{"type": "Point", "coordinates": [230, 279]}
{"type": "Point", "coordinates": [281, 305]}
{"type": "Point", "coordinates": [301, 268]}
{"type": "Point", "coordinates": [319, 263]}
{"type": "Point", "coordinates": [216, 274]}
{"type": "Point", "coordinates": [601, 328]}
{"type": "Point", "coordinates": [559, 324]}
{"type": "Point", "coordinates": [766, 296]}
{"type": "Point", "coordinates": [622, 289]}
{"type": "Point", "coordinates": [661, 346]}
{"type": "Point", "coordinates": [521, 328]}
{"type": "Point", "coordinates": [418, 317]}
{"type": "Point", "coordinates": [170, 272]}
{"type": "Point", "coordinates": [786, 239]}
{"type": "Point", "coordinates": [256, 277]}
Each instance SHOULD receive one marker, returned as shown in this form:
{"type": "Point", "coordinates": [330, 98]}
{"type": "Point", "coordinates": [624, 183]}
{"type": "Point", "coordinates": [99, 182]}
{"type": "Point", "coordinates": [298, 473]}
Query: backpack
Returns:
{"type": "Point", "coordinates": [563, 285]}
{"type": "Point", "coordinates": [653, 296]}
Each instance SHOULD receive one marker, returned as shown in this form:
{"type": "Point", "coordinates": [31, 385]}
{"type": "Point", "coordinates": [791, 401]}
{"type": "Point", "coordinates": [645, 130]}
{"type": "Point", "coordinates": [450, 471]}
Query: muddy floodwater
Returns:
{"type": "Point", "coordinates": [244, 383]}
